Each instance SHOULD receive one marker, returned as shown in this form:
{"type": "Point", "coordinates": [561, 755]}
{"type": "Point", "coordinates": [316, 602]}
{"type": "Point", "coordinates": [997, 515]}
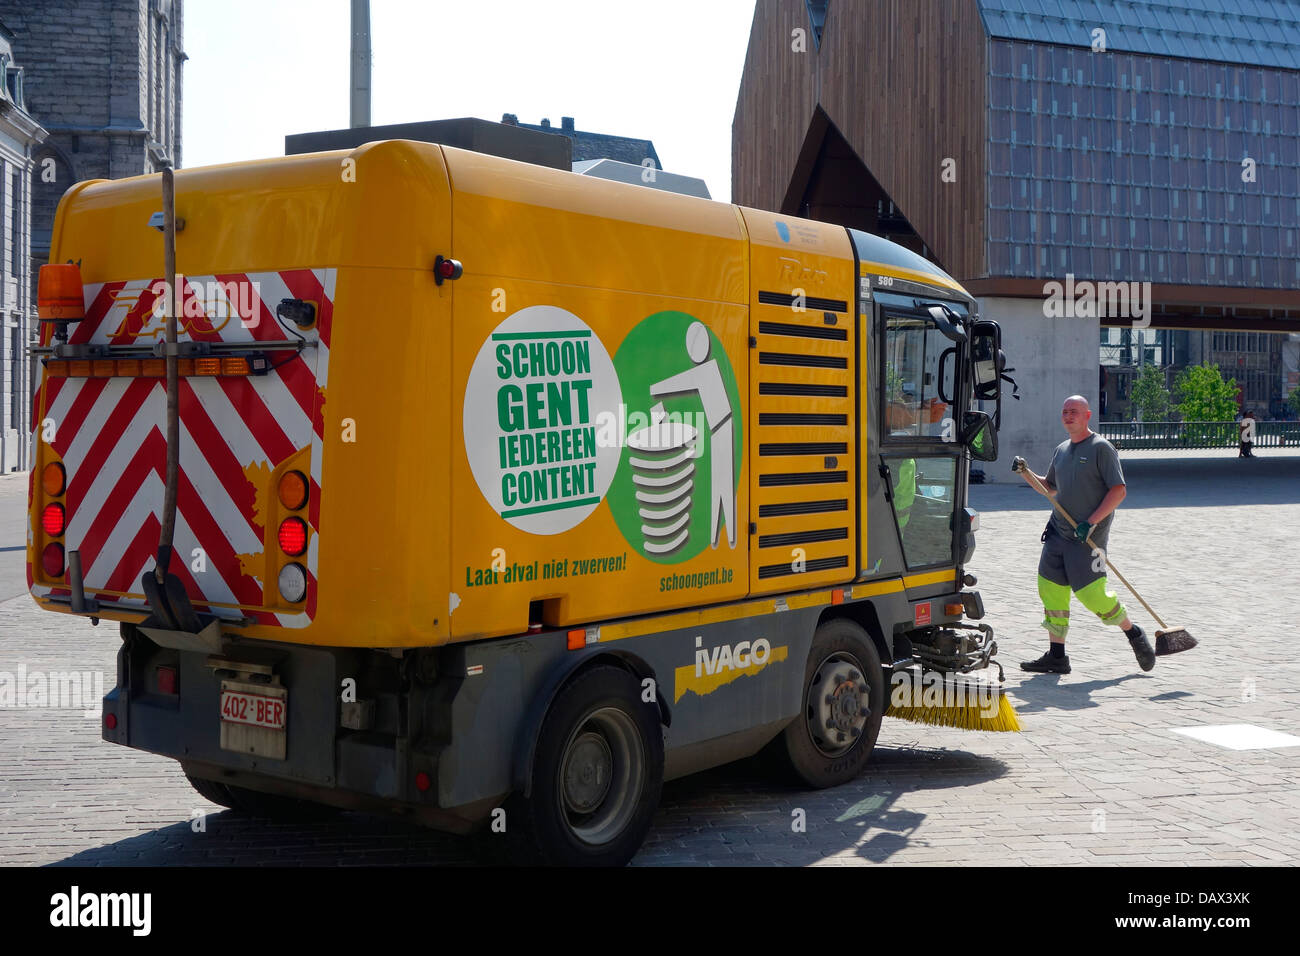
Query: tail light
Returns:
{"type": "Point", "coordinates": [293, 490]}
{"type": "Point", "coordinates": [53, 479]}
{"type": "Point", "coordinates": [52, 560]}
{"type": "Point", "coordinates": [293, 583]}
{"type": "Point", "coordinates": [293, 536]}
{"type": "Point", "coordinates": [52, 519]}
{"type": "Point", "coordinates": [166, 679]}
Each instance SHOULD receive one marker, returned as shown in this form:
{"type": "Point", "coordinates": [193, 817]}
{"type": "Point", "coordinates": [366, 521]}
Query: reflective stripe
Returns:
{"type": "Point", "coordinates": [1114, 614]}
{"type": "Point", "coordinates": [1055, 613]}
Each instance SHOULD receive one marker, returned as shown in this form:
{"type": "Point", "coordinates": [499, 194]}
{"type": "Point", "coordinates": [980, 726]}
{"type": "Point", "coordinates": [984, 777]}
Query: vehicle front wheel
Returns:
{"type": "Point", "coordinates": [843, 703]}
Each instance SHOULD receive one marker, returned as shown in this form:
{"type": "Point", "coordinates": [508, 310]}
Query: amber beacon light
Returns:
{"type": "Point", "coordinates": [58, 293]}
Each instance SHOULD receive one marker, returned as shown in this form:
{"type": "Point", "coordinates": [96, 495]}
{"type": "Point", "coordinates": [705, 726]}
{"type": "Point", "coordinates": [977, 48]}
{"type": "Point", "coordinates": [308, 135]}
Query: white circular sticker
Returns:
{"type": "Point", "coordinates": [536, 395]}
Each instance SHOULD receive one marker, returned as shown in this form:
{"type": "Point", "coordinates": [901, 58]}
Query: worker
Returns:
{"type": "Point", "coordinates": [905, 493]}
{"type": "Point", "coordinates": [1086, 479]}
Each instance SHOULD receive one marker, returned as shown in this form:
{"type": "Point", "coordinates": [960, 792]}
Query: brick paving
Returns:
{"type": "Point", "coordinates": [1096, 778]}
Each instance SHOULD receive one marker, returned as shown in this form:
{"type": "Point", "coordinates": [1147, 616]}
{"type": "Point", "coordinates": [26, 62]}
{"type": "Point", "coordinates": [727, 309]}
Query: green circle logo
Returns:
{"type": "Point", "coordinates": [674, 493]}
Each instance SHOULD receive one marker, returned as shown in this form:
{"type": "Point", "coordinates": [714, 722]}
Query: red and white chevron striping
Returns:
{"type": "Point", "coordinates": [109, 433]}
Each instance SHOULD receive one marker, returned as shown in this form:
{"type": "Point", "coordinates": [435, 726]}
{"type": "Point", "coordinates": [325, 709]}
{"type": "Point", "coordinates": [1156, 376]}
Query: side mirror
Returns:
{"type": "Point", "coordinates": [948, 322]}
{"type": "Point", "coordinates": [979, 435]}
{"type": "Point", "coordinates": [987, 360]}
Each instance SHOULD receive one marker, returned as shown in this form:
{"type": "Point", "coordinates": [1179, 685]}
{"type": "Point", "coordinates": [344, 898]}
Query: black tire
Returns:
{"type": "Point", "coordinates": [254, 803]}
{"type": "Point", "coordinates": [210, 790]}
{"type": "Point", "coordinates": [597, 773]}
{"type": "Point", "coordinates": [842, 661]}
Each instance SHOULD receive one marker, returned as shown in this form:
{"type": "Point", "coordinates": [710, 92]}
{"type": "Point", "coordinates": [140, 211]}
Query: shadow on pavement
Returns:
{"type": "Point", "coordinates": [1172, 695]}
{"type": "Point", "coordinates": [740, 814]}
{"type": "Point", "coordinates": [1044, 692]}
{"type": "Point", "coordinates": [747, 811]}
{"type": "Point", "coordinates": [1172, 483]}
{"type": "Point", "coordinates": [233, 839]}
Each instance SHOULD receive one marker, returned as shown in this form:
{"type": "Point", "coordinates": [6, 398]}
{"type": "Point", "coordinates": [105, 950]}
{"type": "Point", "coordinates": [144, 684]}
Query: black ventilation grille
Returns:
{"type": "Point", "coordinates": [781, 479]}
{"type": "Point", "coordinates": [802, 537]}
{"type": "Point", "coordinates": [817, 564]}
{"type": "Point", "coordinates": [803, 448]}
{"type": "Point", "coordinates": [803, 389]}
{"type": "Point", "coordinates": [802, 361]}
{"type": "Point", "coordinates": [810, 302]}
{"type": "Point", "coordinates": [803, 331]}
{"type": "Point", "coordinates": [801, 418]}
{"type": "Point", "coordinates": [802, 508]}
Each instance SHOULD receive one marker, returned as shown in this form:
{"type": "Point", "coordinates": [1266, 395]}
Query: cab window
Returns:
{"type": "Point", "coordinates": [918, 380]}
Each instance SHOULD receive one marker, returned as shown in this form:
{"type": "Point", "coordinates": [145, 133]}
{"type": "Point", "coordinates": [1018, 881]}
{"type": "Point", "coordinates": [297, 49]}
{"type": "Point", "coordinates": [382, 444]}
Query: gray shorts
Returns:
{"type": "Point", "coordinates": [1069, 562]}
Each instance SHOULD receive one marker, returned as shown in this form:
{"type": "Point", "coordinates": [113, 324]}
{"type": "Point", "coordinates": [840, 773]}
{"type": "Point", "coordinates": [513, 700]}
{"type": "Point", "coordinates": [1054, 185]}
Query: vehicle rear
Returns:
{"type": "Point", "coordinates": [284, 266]}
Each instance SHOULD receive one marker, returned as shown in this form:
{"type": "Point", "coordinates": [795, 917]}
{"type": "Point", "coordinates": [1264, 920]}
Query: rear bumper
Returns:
{"type": "Point", "coordinates": [396, 752]}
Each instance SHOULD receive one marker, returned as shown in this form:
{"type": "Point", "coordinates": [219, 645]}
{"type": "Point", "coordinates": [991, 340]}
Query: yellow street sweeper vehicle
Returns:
{"type": "Point", "coordinates": [500, 494]}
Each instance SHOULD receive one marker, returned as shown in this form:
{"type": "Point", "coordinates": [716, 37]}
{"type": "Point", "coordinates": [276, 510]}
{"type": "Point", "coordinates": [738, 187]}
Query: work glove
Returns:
{"type": "Point", "coordinates": [1018, 464]}
{"type": "Point", "coordinates": [1081, 532]}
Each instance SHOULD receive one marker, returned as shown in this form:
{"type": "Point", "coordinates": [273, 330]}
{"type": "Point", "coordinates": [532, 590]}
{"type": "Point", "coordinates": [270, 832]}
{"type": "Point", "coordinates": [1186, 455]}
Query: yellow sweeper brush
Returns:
{"type": "Point", "coordinates": [931, 697]}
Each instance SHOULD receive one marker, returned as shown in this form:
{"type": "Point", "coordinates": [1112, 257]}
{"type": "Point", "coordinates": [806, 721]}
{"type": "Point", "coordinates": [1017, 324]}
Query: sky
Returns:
{"type": "Point", "coordinates": [667, 71]}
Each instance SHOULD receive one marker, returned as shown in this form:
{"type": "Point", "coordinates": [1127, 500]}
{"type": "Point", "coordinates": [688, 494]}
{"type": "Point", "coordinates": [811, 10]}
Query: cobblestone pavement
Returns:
{"type": "Point", "coordinates": [1097, 777]}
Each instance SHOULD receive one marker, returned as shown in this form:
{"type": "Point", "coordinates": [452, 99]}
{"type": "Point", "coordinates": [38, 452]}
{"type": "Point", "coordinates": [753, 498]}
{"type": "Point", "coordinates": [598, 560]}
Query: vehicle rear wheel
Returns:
{"type": "Point", "coordinates": [212, 791]}
{"type": "Point", "coordinates": [597, 772]}
{"type": "Point", "coordinates": [843, 703]}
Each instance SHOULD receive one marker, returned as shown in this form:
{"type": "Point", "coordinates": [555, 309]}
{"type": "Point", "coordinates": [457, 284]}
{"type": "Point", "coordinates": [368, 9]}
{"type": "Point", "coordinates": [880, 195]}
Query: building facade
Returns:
{"type": "Point", "coordinates": [1027, 144]}
{"type": "Point", "coordinates": [588, 146]}
{"type": "Point", "coordinates": [20, 139]}
{"type": "Point", "coordinates": [103, 78]}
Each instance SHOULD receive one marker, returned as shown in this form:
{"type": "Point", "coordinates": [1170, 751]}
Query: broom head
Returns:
{"type": "Point", "coordinates": [1173, 641]}
{"type": "Point", "coordinates": [933, 698]}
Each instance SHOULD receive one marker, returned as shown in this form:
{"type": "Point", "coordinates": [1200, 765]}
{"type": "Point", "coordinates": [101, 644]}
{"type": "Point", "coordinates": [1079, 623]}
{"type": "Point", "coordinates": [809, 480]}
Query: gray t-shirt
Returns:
{"type": "Point", "coordinates": [1083, 472]}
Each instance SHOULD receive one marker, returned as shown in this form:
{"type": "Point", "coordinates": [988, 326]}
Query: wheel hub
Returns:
{"type": "Point", "coordinates": [588, 772]}
{"type": "Point", "coordinates": [838, 704]}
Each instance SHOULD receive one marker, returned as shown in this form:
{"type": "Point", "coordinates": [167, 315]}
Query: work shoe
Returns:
{"type": "Point", "coordinates": [1047, 664]}
{"type": "Point", "coordinates": [1143, 651]}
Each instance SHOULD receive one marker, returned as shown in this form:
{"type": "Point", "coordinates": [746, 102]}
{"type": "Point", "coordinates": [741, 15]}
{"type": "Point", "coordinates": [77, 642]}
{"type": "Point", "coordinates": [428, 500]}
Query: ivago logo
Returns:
{"type": "Point", "coordinates": [552, 425]}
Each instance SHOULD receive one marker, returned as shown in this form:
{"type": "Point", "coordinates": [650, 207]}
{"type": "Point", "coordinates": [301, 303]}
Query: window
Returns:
{"type": "Point", "coordinates": [924, 502]}
{"type": "Point", "coordinates": [919, 378]}
{"type": "Point", "coordinates": [15, 377]}
{"type": "Point", "coordinates": [16, 222]}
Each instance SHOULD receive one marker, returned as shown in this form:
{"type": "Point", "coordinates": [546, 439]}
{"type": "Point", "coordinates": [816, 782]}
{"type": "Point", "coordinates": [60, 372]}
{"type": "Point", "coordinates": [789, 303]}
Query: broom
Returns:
{"type": "Point", "coordinates": [934, 700]}
{"type": "Point", "coordinates": [1169, 640]}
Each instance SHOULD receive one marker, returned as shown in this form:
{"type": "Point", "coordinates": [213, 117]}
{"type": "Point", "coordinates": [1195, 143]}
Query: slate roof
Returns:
{"type": "Point", "coordinates": [1262, 33]}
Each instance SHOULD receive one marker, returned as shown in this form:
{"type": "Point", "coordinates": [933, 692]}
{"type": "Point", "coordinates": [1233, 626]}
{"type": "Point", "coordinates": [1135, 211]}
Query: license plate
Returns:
{"type": "Point", "coordinates": [254, 709]}
{"type": "Point", "coordinates": [253, 718]}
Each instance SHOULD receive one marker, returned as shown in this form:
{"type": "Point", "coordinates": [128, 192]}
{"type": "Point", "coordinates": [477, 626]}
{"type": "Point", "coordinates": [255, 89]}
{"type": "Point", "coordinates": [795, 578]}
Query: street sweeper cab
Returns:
{"type": "Point", "coordinates": [487, 494]}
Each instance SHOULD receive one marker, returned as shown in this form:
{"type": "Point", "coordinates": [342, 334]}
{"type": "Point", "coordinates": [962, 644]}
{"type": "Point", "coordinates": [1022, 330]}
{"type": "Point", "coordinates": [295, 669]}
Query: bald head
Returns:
{"type": "Point", "coordinates": [1075, 415]}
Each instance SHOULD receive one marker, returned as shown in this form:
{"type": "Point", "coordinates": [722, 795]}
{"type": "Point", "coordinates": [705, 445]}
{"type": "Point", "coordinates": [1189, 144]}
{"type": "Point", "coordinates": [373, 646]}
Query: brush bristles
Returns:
{"type": "Point", "coordinates": [963, 717]}
{"type": "Point", "coordinates": [1172, 641]}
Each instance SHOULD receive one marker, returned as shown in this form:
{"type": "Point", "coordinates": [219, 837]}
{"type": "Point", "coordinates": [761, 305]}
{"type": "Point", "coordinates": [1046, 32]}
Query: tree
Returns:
{"type": "Point", "coordinates": [1149, 396]}
{"type": "Point", "coordinates": [1293, 401]}
{"type": "Point", "coordinates": [1203, 396]}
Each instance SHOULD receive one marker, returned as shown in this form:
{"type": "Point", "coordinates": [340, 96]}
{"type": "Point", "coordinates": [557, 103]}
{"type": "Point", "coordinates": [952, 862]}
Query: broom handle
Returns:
{"type": "Point", "coordinates": [1033, 480]}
